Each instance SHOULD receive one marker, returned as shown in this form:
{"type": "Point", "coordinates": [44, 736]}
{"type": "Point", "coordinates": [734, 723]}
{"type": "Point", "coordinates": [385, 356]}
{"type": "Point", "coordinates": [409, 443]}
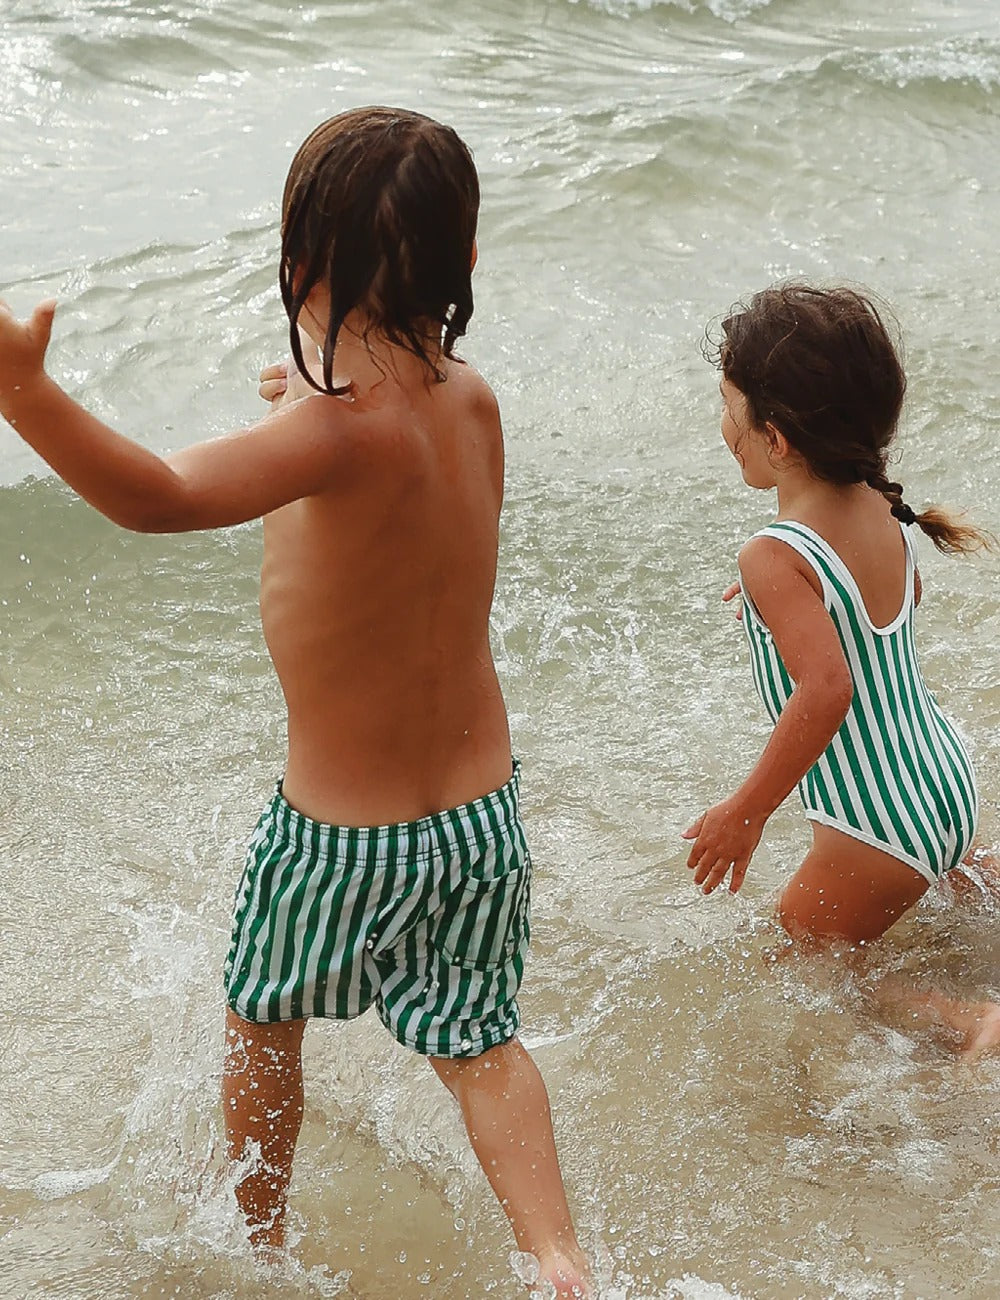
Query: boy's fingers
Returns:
{"type": "Point", "coordinates": [692, 832]}
{"type": "Point", "coordinates": [273, 381]}
{"type": "Point", "coordinates": [704, 867]}
{"type": "Point", "coordinates": [40, 324]}
{"type": "Point", "coordinates": [731, 591]}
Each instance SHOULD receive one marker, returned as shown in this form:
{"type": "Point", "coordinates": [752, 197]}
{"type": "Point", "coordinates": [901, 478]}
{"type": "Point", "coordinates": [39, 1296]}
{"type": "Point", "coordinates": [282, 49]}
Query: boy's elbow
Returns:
{"type": "Point", "coordinates": [155, 514]}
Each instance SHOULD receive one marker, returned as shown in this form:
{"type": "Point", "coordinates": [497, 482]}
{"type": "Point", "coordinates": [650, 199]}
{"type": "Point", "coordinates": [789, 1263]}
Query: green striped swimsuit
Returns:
{"type": "Point", "coordinates": [896, 775]}
{"type": "Point", "coordinates": [427, 921]}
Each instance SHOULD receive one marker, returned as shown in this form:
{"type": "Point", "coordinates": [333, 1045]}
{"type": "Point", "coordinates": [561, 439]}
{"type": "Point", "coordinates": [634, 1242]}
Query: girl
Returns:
{"type": "Point", "coordinates": [812, 390]}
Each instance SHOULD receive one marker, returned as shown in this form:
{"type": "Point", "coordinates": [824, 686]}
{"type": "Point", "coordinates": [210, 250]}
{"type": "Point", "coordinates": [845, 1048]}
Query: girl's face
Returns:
{"type": "Point", "coordinates": [751, 447]}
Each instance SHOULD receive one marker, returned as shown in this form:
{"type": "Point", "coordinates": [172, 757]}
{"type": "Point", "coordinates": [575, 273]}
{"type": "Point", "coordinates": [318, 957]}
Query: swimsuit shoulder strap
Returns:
{"type": "Point", "coordinates": [838, 582]}
{"type": "Point", "coordinates": [818, 554]}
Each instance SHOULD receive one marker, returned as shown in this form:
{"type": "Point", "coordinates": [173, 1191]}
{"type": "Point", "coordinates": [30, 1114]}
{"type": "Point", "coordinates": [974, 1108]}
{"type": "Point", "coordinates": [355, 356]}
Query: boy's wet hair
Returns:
{"type": "Point", "coordinates": [380, 208]}
{"type": "Point", "coordinates": [820, 367]}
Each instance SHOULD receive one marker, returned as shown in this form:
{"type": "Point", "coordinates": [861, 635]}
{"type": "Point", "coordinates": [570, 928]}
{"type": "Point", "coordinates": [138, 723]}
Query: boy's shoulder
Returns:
{"type": "Point", "coordinates": [359, 426]}
{"type": "Point", "coordinates": [472, 387]}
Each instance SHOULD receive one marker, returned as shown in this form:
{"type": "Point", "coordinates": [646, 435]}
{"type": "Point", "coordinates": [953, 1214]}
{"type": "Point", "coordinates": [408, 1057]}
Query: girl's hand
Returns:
{"type": "Point", "coordinates": [282, 383]}
{"type": "Point", "coordinates": [724, 840]}
{"type": "Point", "coordinates": [273, 382]}
{"type": "Point", "coordinates": [23, 346]}
{"type": "Point", "coordinates": [731, 593]}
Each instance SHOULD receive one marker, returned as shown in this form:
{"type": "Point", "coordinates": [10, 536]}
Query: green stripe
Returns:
{"type": "Point", "coordinates": [933, 749]}
{"type": "Point", "coordinates": [276, 934]}
{"type": "Point", "coordinates": [842, 787]}
{"type": "Point", "coordinates": [308, 862]}
{"type": "Point", "coordinates": [927, 771]}
{"type": "Point", "coordinates": [255, 961]}
{"type": "Point", "coordinates": [865, 720]}
{"type": "Point", "coordinates": [895, 755]}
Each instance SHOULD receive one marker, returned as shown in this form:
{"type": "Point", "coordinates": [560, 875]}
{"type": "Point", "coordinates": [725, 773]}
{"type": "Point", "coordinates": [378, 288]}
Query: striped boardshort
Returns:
{"type": "Point", "coordinates": [427, 920]}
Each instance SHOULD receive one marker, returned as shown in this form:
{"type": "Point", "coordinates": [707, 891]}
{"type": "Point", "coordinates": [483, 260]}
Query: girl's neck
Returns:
{"type": "Point", "coordinates": [801, 495]}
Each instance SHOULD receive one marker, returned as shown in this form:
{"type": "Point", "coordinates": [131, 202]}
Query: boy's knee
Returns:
{"type": "Point", "coordinates": [455, 1072]}
{"type": "Point", "coordinates": [268, 1049]}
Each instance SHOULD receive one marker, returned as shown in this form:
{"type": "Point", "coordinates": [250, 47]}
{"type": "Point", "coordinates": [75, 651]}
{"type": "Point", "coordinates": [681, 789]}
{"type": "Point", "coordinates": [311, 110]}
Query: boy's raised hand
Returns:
{"type": "Point", "coordinates": [23, 345]}
{"type": "Point", "coordinates": [281, 383]}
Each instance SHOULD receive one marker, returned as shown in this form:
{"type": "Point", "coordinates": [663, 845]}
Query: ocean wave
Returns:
{"type": "Point", "coordinates": [956, 61]}
{"type": "Point", "coordinates": [729, 11]}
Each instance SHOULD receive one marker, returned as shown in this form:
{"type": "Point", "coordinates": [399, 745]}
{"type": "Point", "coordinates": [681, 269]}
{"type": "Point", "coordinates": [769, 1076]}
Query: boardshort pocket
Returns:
{"type": "Point", "coordinates": [485, 921]}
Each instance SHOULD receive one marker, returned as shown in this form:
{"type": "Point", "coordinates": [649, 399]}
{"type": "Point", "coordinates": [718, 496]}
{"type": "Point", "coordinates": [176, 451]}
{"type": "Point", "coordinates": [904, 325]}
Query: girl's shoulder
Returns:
{"type": "Point", "coordinates": [772, 555]}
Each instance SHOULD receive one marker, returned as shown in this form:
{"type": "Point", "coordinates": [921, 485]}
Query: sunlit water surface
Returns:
{"type": "Point", "coordinates": [728, 1128]}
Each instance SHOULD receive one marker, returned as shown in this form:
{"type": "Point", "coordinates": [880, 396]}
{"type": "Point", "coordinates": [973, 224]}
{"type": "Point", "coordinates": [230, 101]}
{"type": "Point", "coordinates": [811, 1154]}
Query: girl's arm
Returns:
{"type": "Point", "coordinates": [290, 454]}
{"type": "Point", "coordinates": [784, 590]}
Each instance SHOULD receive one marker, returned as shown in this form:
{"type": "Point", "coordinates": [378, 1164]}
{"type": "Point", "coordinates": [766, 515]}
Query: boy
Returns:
{"type": "Point", "coordinates": [379, 476]}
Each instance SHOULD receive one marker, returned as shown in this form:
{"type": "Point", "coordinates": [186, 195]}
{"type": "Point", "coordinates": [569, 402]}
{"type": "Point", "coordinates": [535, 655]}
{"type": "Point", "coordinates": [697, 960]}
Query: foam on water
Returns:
{"type": "Point", "coordinates": [969, 63]}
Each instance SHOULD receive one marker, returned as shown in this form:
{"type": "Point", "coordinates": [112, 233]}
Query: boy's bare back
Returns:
{"type": "Point", "coordinates": [376, 595]}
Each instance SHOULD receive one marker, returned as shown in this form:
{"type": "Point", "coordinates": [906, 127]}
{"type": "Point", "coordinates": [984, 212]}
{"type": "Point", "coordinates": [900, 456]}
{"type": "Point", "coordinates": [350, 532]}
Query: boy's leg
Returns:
{"type": "Point", "coordinates": [506, 1112]}
{"type": "Point", "coordinates": [262, 1104]}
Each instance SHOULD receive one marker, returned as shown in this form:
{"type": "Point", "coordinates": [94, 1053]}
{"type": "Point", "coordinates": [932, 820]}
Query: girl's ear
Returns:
{"type": "Point", "coordinates": [781, 448]}
{"type": "Point", "coordinates": [475, 254]}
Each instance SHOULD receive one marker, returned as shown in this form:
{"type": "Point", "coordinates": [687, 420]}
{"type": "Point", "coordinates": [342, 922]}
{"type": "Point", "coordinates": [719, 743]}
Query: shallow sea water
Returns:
{"type": "Point", "coordinates": [729, 1129]}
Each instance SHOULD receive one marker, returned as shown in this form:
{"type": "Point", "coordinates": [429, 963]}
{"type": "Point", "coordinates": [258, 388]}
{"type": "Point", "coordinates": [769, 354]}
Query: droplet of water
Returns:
{"type": "Point", "coordinates": [526, 1267]}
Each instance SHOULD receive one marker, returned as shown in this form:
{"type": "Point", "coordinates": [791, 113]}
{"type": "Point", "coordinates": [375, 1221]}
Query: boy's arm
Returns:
{"type": "Point", "coordinates": [780, 585]}
{"type": "Point", "coordinates": [290, 454]}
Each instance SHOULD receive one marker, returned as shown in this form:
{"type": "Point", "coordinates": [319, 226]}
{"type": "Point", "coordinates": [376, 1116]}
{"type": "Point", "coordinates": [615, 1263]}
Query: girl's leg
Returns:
{"type": "Point", "coordinates": [977, 878]}
{"type": "Point", "coordinates": [506, 1112]}
{"type": "Point", "coordinates": [974, 1026]}
{"type": "Point", "coordinates": [847, 890]}
{"type": "Point", "coordinates": [262, 1104]}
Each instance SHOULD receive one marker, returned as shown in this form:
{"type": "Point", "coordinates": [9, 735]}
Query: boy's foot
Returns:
{"type": "Point", "coordinates": [567, 1279]}
{"type": "Point", "coordinates": [554, 1277]}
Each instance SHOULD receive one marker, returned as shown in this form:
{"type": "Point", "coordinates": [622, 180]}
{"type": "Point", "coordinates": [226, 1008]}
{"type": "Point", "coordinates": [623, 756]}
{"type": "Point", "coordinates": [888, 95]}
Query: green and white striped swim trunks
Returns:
{"type": "Point", "coordinates": [428, 921]}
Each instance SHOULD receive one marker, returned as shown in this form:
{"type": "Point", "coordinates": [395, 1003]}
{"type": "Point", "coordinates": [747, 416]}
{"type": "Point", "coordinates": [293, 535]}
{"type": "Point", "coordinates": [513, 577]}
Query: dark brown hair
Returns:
{"type": "Point", "coordinates": [380, 207]}
{"type": "Point", "coordinates": [819, 366]}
